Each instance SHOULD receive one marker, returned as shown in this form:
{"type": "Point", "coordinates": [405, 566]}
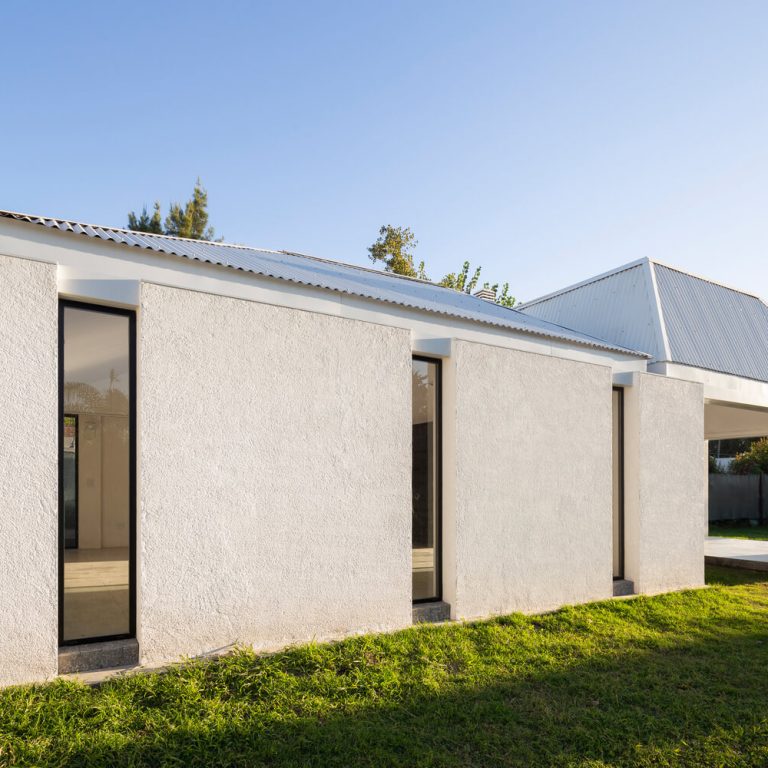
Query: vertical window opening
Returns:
{"type": "Point", "coordinates": [97, 473]}
{"type": "Point", "coordinates": [426, 479]}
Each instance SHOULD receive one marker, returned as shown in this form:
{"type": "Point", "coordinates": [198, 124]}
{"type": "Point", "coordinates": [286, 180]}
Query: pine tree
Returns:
{"type": "Point", "coordinates": [145, 222]}
{"type": "Point", "coordinates": [190, 220]}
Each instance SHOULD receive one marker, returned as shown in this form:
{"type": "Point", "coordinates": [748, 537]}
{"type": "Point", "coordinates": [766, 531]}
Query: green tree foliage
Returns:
{"type": "Point", "coordinates": [753, 461]}
{"type": "Point", "coordinates": [394, 248]}
{"type": "Point", "coordinates": [190, 220]}
{"type": "Point", "coordinates": [461, 281]}
{"type": "Point", "coordinates": [146, 223]}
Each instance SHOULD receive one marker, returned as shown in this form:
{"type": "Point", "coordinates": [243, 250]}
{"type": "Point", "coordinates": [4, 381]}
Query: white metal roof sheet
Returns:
{"type": "Point", "coordinates": [676, 316]}
{"type": "Point", "coordinates": [711, 326]}
{"type": "Point", "coordinates": [334, 276]}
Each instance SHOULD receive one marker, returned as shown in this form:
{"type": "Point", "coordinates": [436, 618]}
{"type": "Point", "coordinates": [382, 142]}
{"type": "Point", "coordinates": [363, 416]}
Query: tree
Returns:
{"type": "Point", "coordinates": [394, 248]}
{"type": "Point", "coordinates": [460, 281]}
{"type": "Point", "coordinates": [145, 222]}
{"type": "Point", "coordinates": [754, 461]}
{"type": "Point", "coordinates": [190, 220]}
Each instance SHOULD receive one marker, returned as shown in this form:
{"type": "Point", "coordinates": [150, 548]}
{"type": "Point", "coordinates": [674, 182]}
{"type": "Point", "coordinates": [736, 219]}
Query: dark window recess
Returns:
{"type": "Point", "coordinates": [426, 479]}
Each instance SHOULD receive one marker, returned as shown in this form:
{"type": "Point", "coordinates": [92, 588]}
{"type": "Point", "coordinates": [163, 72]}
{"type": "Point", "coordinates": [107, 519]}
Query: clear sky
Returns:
{"type": "Point", "coordinates": [547, 141]}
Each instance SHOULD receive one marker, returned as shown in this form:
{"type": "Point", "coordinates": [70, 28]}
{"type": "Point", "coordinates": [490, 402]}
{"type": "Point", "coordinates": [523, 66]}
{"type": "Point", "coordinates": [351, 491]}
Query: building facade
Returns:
{"type": "Point", "coordinates": [205, 445]}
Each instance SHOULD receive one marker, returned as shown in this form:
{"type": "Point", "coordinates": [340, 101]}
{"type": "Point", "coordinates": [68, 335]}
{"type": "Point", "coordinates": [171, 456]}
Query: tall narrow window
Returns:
{"type": "Point", "coordinates": [96, 473]}
{"type": "Point", "coordinates": [618, 484]}
{"type": "Point", "coordinates": [426, 479]}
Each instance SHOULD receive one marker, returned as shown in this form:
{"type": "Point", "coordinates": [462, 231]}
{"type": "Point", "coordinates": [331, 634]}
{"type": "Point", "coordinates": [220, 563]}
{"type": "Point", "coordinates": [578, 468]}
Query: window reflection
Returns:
{"type": "Point", "coordinates": [96, 474]}
{"type": "Point", "coordinates": [424, 421]}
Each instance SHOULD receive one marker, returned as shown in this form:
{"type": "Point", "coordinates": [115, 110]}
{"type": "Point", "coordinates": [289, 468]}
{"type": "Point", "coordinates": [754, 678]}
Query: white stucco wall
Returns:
{"type": "Point", "coordinates": [531, 526]}
{"type": "Point", "coordinates": [664, 483]}
{"type": "Point", "coordinates": [275, 475]}
{"type": "Point", "coordinates": [28, 471]}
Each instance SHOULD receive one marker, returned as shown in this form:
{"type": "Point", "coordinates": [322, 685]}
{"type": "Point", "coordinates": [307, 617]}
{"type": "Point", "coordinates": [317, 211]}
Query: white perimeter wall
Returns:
{"type": "Point", "coordinates": [275, 475]}
{"type": "Point", "coordinates": [531, 528]}
{"type": "Point", "coordinates": [665, 483]}
{"type": "Point", "coordinates": [28, 471]}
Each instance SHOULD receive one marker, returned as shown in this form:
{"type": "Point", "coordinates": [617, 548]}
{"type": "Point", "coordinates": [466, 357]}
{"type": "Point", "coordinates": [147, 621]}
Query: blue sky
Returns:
{"type": "Point", "coordinates": [545, 141]}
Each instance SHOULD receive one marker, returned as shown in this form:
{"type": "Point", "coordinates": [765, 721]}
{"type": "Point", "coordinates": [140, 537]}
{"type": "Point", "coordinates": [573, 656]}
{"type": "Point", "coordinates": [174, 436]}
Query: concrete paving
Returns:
{"type": "Point", "coordinates": [750, 554]}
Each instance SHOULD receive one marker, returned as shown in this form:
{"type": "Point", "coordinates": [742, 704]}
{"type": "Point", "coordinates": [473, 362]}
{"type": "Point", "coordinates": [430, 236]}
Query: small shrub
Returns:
{"type": "Point", "coordinates": [754, 461]}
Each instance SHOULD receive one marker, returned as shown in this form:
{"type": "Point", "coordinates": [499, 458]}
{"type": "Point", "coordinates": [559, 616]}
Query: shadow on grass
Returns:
{"type": "Point", "coordinates": [697, 703]}
{"type": "Point", "coordinates": [718, 575]}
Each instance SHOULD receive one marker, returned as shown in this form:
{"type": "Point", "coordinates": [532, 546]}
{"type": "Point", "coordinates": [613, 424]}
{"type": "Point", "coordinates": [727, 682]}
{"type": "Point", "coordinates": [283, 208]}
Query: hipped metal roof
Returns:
{"type": "Point", "coordinates": [678, 317]}
{"type": "Point", "coordinates": [334, 276]}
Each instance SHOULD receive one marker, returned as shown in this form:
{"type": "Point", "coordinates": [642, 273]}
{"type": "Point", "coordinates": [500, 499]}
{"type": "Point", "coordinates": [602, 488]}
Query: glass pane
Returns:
{"type": "Point", "coordinates": [69, 460]}
{"type": "Point", "coordinates": [618, 544]}
{"type": "Point", "coordinates": [96, 463]}
{"type": "Point", "coordinates": [425, 479]}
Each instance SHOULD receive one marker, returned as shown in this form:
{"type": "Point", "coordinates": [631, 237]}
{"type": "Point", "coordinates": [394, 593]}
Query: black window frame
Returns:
{"type": "Point", "coordinates": [620, 391]}
{"type": "Point", "coordinates": [438, 536]}
{"type": "Point", "coordinates": [132, 448]}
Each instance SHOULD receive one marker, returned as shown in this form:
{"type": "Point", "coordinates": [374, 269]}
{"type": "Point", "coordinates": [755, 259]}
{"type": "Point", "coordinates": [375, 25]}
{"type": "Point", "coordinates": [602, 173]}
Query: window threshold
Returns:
{"type": "Point", "coordinates": [90, 657]}
{"type": "Point", "coordinates": [431, 613]}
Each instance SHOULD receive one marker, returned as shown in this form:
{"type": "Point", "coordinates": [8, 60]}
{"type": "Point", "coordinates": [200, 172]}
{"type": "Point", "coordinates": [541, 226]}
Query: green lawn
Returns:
{"type": "Point", "coordinates": [739, 531]}
{"type": "Point", "coordinates": [678, 679]}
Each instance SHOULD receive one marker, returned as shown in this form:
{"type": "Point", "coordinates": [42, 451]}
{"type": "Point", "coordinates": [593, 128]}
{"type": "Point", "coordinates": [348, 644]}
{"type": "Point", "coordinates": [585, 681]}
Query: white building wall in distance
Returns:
{"type": "Point", "coordinates": [532, 528]}
{"type": "Point", "coordinates": [275, 475]}
{"type": "Point", "coordinates": [665, 483]}
{"type": "Point", "coordinates": [28, 471]}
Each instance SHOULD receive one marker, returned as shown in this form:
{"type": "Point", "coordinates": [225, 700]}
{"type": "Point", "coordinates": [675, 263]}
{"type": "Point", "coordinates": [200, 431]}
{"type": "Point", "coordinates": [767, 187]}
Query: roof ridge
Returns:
{"type": "Point", "coordinates": [709, 280]}
{"type": "Point", "coordinates": [582, 283]}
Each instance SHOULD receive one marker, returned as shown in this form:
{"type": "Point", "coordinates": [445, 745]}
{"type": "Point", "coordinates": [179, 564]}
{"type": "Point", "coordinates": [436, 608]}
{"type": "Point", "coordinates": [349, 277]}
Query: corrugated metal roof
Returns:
{"type": "Point", "coordinates": [681, 319]}
{"type": "Point", "coordinates": [619, 306]}
{"type": "Point", "coordinates": [334, 276]}
{"type": "Point", "coordinates": [713, 327]}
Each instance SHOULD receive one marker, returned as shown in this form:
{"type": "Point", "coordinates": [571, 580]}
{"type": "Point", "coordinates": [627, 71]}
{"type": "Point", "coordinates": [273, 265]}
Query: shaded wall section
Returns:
{"type": "Point", "coordinates": [28, 471]}
{"type": "Point", "coordinates": [532, 525]}
{"type": "Point", "coordinates": [665, 483]}
{"type": "Point", "coordinates": [275, 475]}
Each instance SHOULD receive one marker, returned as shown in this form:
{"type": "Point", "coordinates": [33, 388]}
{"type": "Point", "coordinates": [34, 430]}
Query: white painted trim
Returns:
{"type": "Point", "coordinates": [721, 388]}
{"type": "Point", "coordinates": [441, 348]}
{"type": "Point", "coordinates": [125, 293]}
{"type": "Point", "coordinates": [661, 326]}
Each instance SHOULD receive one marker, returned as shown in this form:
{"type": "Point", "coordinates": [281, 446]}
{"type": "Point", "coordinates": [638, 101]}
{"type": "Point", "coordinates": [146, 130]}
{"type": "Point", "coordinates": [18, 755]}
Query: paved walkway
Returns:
{"type": "Point", "coordinates": [736, 553]}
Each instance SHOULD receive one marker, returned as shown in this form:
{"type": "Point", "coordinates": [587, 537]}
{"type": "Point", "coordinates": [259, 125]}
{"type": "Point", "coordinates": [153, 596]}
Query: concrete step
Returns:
{"type": "Point", "coordinates": [431, 612]}
{"type": "Point", "coordinates": [623, 587]}
{"type": "Point", "coordinates": [92, 656]}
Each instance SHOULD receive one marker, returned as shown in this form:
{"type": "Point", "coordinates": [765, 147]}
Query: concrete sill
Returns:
{"type": "Point", "coordinates": [623, 587]}
{"type": "Point", "coordinates": [426, 613]}
{"type": "Point", "coordinates": [92, 656]}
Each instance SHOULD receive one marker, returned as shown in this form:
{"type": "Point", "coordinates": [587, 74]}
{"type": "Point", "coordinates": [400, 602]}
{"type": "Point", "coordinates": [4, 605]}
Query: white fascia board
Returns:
{"type": "Point", "coordinates": [719, 387]}
{"type": "Point", "coordinates": [84, 261]}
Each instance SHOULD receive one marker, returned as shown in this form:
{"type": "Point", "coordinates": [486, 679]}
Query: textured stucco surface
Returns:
{"type": "Point", "coordinates": [28, 471]}
{"type": "Point", "coordinates": [275, 475]}
{"type": "Point", "coordinates": [665, 483]}
{"type": "Point", "coordinates": [532, 522]}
